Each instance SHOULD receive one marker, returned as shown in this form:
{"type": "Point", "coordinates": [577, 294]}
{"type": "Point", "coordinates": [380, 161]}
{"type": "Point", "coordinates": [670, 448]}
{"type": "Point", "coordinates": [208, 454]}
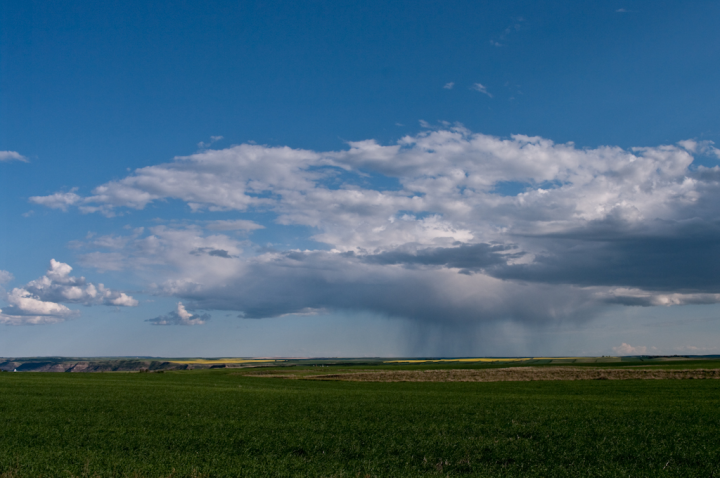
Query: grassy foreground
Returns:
{"type": "Point", "coordinates": [221, 423]}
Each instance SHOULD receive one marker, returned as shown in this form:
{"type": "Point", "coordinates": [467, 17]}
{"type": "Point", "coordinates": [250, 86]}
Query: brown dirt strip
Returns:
{"type": "Point", "coordinates": [518, 374]}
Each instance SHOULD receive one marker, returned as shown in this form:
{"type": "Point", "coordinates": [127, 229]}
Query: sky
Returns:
{"type": "Point", "coordinates": [359, 178]}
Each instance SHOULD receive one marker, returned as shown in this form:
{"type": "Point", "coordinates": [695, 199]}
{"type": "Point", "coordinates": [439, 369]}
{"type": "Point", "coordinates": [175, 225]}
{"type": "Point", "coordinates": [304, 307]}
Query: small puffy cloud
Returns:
{"type": "Point", "coordinates": [482, 89]}
{"type": "Point", "coordinates": [122, 300]}
{"type": "Point", "coordinates": [26, 309]}
{"type": "Point", "coordinates": [449, 86]}
{"type": "Point", "coordinates": [23, 302]}
{"type": "Point", "coordinates": [41, 301]}
{"type": "Point", "coordinates": [627, 349]}
{"type": "Point", "coordinates": [180, 316]}
{"type": "Point", "coordinates": [58, 285]}
{"type": "Point", "coordinates": [5, 277]}
{"type": "Point", "coordinates": [7, 156]}
{"type": "Point", "coordinates": [58, 200]}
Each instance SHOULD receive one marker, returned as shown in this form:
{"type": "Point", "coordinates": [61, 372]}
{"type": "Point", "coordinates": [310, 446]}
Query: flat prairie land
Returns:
{"type": "Point", "coordinates": [518, 374]}
{"type": "Point", "coordinates": [227, 423]}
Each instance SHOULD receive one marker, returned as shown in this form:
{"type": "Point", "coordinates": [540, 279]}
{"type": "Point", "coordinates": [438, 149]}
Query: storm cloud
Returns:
{"type": "Point", "coordinates": [451, 241]}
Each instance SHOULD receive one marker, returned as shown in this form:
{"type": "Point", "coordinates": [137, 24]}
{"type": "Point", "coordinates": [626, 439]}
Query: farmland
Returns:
{"type": "Point", "coordinates": [232, 422]}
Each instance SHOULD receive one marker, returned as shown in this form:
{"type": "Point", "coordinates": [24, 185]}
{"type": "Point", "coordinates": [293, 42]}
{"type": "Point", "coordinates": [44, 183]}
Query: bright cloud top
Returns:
{"type": "Point", "coordinates": [472, 227]}
{"type": "Point", "coordinates": [41, 301]}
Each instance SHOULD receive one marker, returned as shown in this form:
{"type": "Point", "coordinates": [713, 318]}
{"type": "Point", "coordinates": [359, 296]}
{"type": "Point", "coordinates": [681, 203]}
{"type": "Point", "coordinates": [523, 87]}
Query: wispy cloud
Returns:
{"type": "Point", "coordinates": [58, 200]}
{"type": "Point", "coordinates": [207, 144]}
{"type": "Point", "coordinates": [706, 147]}
{"type": "Point", "coordinates": [481, 88]}
{"type": "Point", "coordinates": [5, 277]}
{"type": "Point", "coordinates": [515, 26]}
{"type": "Point", "coordinates": [449, 86]}
{"type": "Point", "coordinates": [6, 156]}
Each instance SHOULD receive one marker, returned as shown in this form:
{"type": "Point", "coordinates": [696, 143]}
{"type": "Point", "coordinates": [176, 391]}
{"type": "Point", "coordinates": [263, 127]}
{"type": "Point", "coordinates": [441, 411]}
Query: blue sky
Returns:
{"type": "Point", "coordinates": [359, 178]}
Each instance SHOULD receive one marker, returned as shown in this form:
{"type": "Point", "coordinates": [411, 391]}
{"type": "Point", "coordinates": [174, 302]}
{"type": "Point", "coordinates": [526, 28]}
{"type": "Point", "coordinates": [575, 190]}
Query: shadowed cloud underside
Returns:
{"type": "Point", "coordinates": [590, 227]}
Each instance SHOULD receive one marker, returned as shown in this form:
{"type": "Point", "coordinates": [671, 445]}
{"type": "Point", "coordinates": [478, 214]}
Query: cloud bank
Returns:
{"type": "Point", "coordinates": [446, 225]}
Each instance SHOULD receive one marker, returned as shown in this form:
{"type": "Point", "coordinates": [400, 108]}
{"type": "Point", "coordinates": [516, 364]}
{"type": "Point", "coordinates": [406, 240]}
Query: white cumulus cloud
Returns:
{"type": "Point", "coordinates": [475, 227]}
{"type": "Point", "coordinates": [26, 309]}
{"type": "Point", "coordinates": [41, 301]}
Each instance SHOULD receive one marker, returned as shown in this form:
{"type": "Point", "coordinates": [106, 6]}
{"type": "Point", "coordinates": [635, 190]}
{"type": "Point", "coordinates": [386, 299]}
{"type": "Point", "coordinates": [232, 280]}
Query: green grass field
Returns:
{"type": "Point", "coordinates": [221, 423]}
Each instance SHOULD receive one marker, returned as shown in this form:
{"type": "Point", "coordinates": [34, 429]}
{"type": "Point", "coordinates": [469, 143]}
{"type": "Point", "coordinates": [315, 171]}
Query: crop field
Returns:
{"type": "Point", "coordinates": [234, 422]}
